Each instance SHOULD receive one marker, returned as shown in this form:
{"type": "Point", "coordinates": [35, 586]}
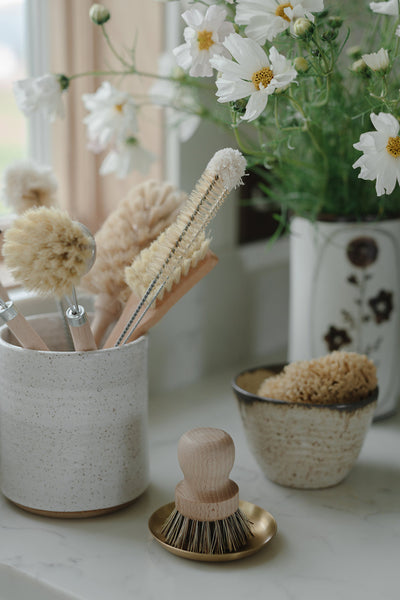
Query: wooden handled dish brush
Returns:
{"type": "Point", "coordinates": [20, 327]}
{"type": "Point", "coordinates": [166, 265]}
{"type": "Point", "coordinates": [139, 218]}
{"type": "Point", "coordinates": [27, 184]}
{"type": "Point", "coordinates": [207, 518]}
{"type": "Point", "coordinates": [49, 253]}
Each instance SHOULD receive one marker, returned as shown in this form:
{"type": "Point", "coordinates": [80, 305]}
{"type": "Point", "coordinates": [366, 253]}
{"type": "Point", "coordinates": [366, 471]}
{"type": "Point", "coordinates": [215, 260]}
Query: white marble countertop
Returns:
{"type": "Point", "coordinates": [342, 542]}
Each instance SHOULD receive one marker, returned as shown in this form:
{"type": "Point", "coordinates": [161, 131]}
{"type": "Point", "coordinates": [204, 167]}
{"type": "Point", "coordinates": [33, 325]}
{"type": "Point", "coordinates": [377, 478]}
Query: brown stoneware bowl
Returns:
{"type": "Point", "coordinates": [301, 445]}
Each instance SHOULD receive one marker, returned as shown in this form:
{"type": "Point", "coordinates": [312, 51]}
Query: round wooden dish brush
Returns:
{"type": "Point", "coordinates": [207, 518]}
{"type": "Point", "coordinates": [49, 253]}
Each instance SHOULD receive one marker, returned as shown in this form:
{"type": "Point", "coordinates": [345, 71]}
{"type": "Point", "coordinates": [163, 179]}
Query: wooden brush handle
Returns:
{"type": "Point", "coordinates": [20, 327]}
{"type": "Point", "coordinates": [107, 309]}
{"type": "Point", "coordinates": [80, 329]}
{"type": "Point", "coordinates": [206, 456]}
{"type": "Point", "coordinates": [160, 308]}
{"type": "Point", "coordinates": [3, 293]}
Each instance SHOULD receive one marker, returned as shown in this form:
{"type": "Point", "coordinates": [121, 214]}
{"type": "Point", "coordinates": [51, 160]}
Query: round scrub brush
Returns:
{"type": "Point", "coordinates": [138, 219]}
{"type": "Point", "coordinates": [49, 253]}
{"type": "Point", "coordinates": [207, 518]}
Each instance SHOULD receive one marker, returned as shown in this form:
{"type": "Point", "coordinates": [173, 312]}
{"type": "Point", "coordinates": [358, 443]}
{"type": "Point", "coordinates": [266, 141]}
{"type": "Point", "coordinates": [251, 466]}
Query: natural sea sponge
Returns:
{"type": "Point", "coordinates": [337, 378]}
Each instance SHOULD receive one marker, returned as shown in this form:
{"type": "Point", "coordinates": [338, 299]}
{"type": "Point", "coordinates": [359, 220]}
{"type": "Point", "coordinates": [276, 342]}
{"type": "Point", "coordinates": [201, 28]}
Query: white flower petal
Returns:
{"type": "Point", "coordinates": [256, 104]}
{"type": "Point", "coordinates": [385, 8]}
{"type": "Point", "coordinates": [246, 52]}
{"type": "Point", "coordinates": [193, 18]}
{"type": "Point", "coordinates": [386, 123]}
{"type": "Point", "coordinates": [40, 94]}
{"type": "Point", "coordinates": [376, 161]}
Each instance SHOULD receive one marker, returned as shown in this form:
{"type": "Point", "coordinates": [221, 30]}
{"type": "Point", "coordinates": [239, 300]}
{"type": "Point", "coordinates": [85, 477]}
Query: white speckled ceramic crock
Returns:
{"type": "Point", "coordinates": [73, 425]}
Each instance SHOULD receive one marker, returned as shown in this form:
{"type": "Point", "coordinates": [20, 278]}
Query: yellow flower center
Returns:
{"type": "Point", "coordinates": [204, 39]}
{"type": "Point", "coordinates": [262, 77]}
{"type": "Point", "coordinates": [119, 107]}
{"type": "Point", "coordinates": [280, 10]}
{"type": "Point", "coordinates": [393, 146]}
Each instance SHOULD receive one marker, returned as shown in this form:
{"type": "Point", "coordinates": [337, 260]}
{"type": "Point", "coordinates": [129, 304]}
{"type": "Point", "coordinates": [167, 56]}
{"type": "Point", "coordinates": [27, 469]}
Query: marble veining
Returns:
{"type": "Point", "coordinates": [341, 542]}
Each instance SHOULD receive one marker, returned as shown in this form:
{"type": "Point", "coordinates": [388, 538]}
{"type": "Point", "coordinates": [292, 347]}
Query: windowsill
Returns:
{"type": "Point", "coordinates": [263, 255]}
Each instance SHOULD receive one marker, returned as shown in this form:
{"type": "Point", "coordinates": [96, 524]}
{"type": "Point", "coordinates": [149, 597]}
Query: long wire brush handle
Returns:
{"type": "Point", "coordinates": [203, 203]}
{"type": "Point", "coordinates": [155, 314]}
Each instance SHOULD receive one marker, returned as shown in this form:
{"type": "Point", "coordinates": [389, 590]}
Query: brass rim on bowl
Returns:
{"type": "Point", "coordinates": [264, 528]}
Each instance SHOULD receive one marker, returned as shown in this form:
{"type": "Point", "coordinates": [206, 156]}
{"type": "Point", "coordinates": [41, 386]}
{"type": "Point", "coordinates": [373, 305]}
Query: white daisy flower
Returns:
{"type": "Point", "coordinates": [377, 61]}
{"type": "Point", "coordinates": [252, 73]}
{"type": "Point", "coordinates": [391, 7]}
{"type": "Point", "coordinates": [112, 116]}
{"type": "Point", "coordinates": [40, 94]}
{"type": "Point", "coordinates": [203, 39]}
{"type": "Point", "coordinates": [265, 19]}
{"type": "Point", "coordinates": [126, 156]}
{"type": "Point", "coordinates": [177, 99]}
{"type": "Point", "coordinates": [381, 158]}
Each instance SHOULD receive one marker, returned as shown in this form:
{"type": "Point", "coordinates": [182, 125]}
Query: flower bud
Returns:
{"type": "Point", "coordinates": [354, 52]}
{"type": "Point", "coordinates": [99, 14]}
{"type": "Point", "coordinates": [335, 22]}
{"type": "Point", "coordinates": [63, 80]}
{"type": "Point", "coordinates": [303, 27]}
{"type": "Point", "coordinates": [301, 64]}
{"type": "Point", "coordinates": [359, 66]}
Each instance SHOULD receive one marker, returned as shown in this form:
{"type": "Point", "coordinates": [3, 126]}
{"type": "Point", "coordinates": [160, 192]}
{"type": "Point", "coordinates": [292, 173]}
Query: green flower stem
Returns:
{"type": "Point", "coordinates": [245, 149]}
{"type": "Point", "coordinates": [133, 71]}
{"type": "Point", "coordinates": [99, 74]}
{"type": "Point", "coordinates": [113, 50]}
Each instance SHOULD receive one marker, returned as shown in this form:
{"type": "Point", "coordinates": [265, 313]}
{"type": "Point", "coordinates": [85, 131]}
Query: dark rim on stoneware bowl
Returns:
{"type": "Point", "coordinates": [249, 397]}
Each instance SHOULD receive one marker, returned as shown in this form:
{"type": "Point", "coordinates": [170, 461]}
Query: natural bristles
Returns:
{"type": "Point", "coordinates": [182, 239]}
{"type": "Point", "coordinates": [140, 217]}
{"type": "Point", "coordinates": [337, 378]}
{"type": "Point", "coordinates": [47, 251]}
{"type": "Point", "coordinates": [140, 274]}
{"type": "Point", "coordinates": [230, 165]}
{"type": "Point", "coordinates": [207, 537]}
{"type": "Point", "coordinates": [27, 185]}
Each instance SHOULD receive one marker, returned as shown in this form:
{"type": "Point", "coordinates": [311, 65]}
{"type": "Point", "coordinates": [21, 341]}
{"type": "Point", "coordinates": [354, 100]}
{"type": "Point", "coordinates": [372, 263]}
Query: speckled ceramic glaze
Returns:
{"type": "Point", "coordinates": [73, 425]}
{"type": "Point", "coordinates": [301, 445]}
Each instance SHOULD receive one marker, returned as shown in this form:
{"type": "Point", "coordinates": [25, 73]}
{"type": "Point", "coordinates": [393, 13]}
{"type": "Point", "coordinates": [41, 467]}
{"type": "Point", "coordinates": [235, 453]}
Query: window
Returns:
{"type": "Point", "coordinates": [13, 125]}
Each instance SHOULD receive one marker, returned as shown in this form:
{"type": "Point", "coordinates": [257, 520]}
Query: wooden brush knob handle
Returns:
{"type": "Point", "coordinates": [206, 456]}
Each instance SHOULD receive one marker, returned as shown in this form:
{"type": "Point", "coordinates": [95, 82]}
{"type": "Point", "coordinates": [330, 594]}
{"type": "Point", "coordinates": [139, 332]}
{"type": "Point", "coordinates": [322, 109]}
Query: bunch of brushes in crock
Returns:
{"type": "Point", "coordinates": [151, 251]}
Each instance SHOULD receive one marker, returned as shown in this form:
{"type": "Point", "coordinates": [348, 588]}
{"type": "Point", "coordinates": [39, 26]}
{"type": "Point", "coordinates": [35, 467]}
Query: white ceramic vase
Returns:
{"type": "Point", "coordinates": [73, 425]}
{"type": "Point", "coordinates": [345, 294]}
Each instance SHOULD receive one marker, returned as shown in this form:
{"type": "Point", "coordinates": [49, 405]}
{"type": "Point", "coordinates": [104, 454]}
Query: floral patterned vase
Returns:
{"type": "Point", "coordinates": [345, 295]}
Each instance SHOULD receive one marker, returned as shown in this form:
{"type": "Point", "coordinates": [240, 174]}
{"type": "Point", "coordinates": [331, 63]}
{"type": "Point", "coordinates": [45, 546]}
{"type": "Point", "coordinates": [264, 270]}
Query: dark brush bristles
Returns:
{"type": "Point", "coordinates": [207, 537]}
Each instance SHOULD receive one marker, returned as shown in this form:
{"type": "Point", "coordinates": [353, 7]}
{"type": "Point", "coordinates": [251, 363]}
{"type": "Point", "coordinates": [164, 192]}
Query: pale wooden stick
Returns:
{"type": "Point", "coordinates": [20, 327]}
{"type": "Point", "coordinates": [3, 293]}
{"type": "Point", "coordinates": [155, 313]}
{"type": "Point", "coordinates": [107, 309]}
{"type": "Point", "coordinates": [206, 456]}
{"type": "Point", "coordinates": [80, 329]}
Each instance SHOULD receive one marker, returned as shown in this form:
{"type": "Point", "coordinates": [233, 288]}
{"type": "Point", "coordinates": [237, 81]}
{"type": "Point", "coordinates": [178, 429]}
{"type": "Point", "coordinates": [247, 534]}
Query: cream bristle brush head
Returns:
{"type": "Point", "coordinates": [139, 218]}
{"type": "Point", "coordinates": [26, 184]}
{"type": "Point", "coordinates": [224, 172]}
{"type": "Point", "coordinates": [207, 518]}
{"type": "Point", "coordinates": [170, 251]}
{"type": "Point", "coordinates": [49, 253]}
